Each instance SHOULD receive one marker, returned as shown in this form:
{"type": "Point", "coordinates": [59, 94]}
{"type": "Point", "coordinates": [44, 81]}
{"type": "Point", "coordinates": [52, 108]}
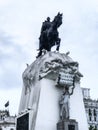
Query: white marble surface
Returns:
{"type": "Point", "coordinates": [40, 94]}
{"type": "Point", "coordinates": [48, 110]}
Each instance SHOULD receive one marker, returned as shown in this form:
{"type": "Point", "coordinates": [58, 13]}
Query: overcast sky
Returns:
{"type": "Point", "coordinates": [20, 23]}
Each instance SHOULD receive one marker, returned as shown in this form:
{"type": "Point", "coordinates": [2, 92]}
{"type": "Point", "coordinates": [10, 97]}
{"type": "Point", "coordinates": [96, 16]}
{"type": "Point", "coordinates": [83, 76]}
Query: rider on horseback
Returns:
{"type": "Point", "coordinates": [49, 34]}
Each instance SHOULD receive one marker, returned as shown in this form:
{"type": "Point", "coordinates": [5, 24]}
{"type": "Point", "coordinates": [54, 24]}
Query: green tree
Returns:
{"type": "Point", "coordinates": [91, 128]}
{"type": "Point", "coordinates": [95, 129]}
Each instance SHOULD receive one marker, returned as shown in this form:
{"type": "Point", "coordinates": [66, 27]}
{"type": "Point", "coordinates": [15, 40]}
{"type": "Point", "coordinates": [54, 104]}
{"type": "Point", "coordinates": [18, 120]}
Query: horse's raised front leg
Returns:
{"type": "Point", "coordinates": [58, 44]}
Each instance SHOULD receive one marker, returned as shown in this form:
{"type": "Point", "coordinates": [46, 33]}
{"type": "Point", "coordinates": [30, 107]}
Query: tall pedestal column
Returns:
{"type": "Point", "coordinates": [39, 105]}
{"type": "Point", "coordinates": [48, 108]}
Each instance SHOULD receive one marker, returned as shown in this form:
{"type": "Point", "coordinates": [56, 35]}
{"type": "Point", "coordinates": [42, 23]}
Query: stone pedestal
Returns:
{"type": "Point", "coordinates": [68, 124]}
{"type": "Point", "coordinates": [41, 94]}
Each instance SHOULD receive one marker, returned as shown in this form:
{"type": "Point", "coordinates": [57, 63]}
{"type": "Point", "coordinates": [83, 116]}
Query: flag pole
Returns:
{"type": "Point", "coordinates": [7, 106]}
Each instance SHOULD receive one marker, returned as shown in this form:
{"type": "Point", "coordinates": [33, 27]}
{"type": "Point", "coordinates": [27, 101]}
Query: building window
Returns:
{"type": "Point", "coordinates": [94, 112]}
{"type": "Point", "coordinates": [90, 113]}
{"type": "Point", "coordinates": [94, 118]}
{"type": "Point", "coordinates": [90, 118]}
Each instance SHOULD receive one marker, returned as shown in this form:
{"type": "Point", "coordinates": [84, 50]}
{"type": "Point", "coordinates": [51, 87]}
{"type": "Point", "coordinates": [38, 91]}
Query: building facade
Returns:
{"type": "Point", "coordinates": [91, 107]}
{"type": "Point", "coordinates": [7, 122]}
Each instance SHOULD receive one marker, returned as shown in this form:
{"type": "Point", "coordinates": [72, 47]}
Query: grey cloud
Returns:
{"type": "Point", "coordinates": [12, 61]}
{"type": "Point", "coordinates": [21, 22]}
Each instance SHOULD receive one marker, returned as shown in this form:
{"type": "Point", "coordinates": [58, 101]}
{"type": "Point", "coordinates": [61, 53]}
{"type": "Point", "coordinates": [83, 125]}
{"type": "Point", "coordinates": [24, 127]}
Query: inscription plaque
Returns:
{"type": "Point", "coordinates": [65, 78]}
{"type": "Point", "coordinates": [23, 122]}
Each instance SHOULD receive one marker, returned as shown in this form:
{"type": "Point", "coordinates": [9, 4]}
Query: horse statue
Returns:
{"type": "Point", "coordinates": [49, 34]}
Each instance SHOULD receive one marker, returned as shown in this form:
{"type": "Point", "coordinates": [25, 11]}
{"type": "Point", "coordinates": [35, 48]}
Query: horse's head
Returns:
{"type": "Point", "coordinates": [57, 20]}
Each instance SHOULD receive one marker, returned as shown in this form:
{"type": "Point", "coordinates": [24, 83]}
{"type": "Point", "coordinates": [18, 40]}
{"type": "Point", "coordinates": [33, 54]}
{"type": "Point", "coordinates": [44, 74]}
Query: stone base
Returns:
{"type": "Point", "coordinates": [67, 125]}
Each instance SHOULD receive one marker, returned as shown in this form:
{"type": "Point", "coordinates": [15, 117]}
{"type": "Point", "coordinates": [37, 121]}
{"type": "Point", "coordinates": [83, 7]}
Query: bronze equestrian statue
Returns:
{"type": "Point", "coordinates": [49, 34]}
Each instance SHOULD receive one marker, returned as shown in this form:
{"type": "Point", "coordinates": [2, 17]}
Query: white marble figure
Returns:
{"type": "Point", "coordinates": [64, 104]}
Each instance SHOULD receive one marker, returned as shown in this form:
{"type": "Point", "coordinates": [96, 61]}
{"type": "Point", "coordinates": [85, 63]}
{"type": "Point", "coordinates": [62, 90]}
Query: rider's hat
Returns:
{"type": "Point", "coordinates": [48, 18]}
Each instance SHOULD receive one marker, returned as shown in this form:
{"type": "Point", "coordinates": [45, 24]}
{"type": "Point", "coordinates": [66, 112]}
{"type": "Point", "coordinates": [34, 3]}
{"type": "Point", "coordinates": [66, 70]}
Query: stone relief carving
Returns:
{"type": "Point", "coordinates": [57, 68]}
{"type": "Point", "coordinates": [64, 104]}
{"type": "Point", "coordinates": [49, 67]}
{"type": "Point", "coordinates": [68, 74]}
{"type": "Point", "coordinates": [56, 65]}
{"type": "Point", "coordinates": [67, 77]}
{"type": "Point", "coordinates": [27, 81]}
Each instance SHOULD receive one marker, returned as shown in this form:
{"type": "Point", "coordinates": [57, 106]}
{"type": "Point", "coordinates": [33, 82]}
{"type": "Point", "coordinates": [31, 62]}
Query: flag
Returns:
{"type": "Point", "coordinates": [7, 104]}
